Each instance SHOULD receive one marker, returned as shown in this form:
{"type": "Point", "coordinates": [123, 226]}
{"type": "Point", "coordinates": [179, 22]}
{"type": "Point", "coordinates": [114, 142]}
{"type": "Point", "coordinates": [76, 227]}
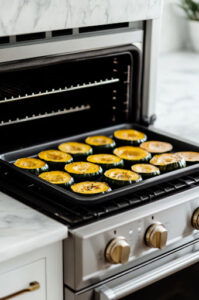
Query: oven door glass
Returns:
{"type": "Point", "coordinates": [171, 276]}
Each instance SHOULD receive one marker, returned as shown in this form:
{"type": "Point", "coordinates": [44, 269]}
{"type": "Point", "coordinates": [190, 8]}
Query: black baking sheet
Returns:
{"type": "Point", "coordinates": [62, 194]}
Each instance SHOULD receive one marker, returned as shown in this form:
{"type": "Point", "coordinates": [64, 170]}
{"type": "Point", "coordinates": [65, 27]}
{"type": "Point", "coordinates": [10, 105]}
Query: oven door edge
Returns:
{"type": "Point", "coordinates": [149, 273]}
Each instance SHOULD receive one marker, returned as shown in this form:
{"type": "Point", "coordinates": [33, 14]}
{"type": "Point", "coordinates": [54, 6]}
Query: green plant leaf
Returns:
{"type": "Point", "coordinates": [191, 8]}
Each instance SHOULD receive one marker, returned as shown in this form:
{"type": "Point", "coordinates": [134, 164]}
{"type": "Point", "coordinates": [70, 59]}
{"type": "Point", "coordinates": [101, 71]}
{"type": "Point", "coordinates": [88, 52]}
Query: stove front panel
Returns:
{"type": "Point", "coordinates": [171, 276]}
{"type": "Point", "coordinates": [85, 250]}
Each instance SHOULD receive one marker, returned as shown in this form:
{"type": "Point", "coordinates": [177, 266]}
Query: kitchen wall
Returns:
{"type": "Point", "coordinates": [178, 73]}
{"type": "Point", "coordinates": [174, 34]}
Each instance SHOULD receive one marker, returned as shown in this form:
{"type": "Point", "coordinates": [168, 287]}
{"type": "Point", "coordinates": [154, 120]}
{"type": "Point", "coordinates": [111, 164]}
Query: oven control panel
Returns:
{"type": "Point", "coordinates": [115, 244]}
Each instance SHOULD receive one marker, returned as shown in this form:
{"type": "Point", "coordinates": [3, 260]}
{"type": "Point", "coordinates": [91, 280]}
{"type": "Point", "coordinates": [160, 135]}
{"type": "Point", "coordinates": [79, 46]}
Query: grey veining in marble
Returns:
{"type": "Point", "coordinates": [178, 100]}
{"type": "Point", "coordinates": [25, 16]}
{"type": "Point", "coordinates": [23, 229]}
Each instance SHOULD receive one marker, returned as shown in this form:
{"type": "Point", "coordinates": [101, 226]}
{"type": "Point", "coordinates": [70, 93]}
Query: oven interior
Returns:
{"type": "Point", "coordinates": [52, 97]}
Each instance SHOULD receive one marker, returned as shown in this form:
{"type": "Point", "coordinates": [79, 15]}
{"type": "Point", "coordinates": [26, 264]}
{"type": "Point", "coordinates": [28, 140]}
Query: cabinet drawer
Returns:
{"type": "Point", "coordinates": [20, 278]}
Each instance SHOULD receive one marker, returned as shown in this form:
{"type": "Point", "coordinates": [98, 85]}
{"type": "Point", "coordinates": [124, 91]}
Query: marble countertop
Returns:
{"type": "Point", "coordinates": [20, 16]}
{"type": "Point", "coordinates": [23, 229]}
{"type": "Point", "coordinates": [177, 107]}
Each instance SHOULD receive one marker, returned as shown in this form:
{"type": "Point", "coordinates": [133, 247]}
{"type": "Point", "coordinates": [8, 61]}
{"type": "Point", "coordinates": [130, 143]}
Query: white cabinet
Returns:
{"type": "Point", "coordinates": [18, 281]}
{"type": "Point", "coordinates": [43, 266]}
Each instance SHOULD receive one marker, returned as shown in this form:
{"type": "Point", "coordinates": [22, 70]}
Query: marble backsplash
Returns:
{"type": "Point", "coordinates": [25, 16]}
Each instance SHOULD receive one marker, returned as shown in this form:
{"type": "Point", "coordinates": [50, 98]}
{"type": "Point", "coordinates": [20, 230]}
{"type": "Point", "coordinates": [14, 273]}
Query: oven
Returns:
{"type": "Point", "coordinates": [139, 240]}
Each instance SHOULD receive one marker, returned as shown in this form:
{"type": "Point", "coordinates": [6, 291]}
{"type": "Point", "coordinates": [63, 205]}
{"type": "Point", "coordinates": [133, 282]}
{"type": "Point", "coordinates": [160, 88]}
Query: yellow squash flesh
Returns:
{"type": "Point", "coordinates": [29, 163]}
{"type": "Point", "coordinates": [90, 187]}
{"type": "Point", "coordinates": [54, 156]}
{"type": "Point", "coordinates": [56, 177]}
{"type": "Point", "coordinates": [156, 146]}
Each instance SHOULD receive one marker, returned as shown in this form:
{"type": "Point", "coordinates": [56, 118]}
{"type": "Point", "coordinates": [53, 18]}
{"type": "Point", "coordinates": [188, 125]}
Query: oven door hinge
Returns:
{"type": "Point", "coordinates": [149, 120]}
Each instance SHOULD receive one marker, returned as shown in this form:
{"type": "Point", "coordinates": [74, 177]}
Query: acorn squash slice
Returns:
{"type": "Point", "coordinates": [33, 165]}
{"type": "Point", "coordinates": [156, 147]}
{"type": "Point", "coordinates": [132, 154]}
{"type": "Point", "coordinates": [59, 178]}
{"type": "Point", "coordinates": [56, 159]}
{"type": "Point", "coordinates": [77, 150]}
{"type": "Point", "coordinates": [168, 162]}
{"type": "Point", "coordinates": [90, 188]}
{"type": "Point", "coordinates": [121, 177]}
{"type": "Point", "coordinates": [100, 143]}
{"type": "Point", "coordinates": [83, 170]}
{"type": "Point", "coordinates": [146, 170]}
{"type": "Point", "coordinates": [189, 157]}
{"type": "Point", "coordinates": [106, 161]}
{"type": "Point", "coordinates": [129, 137]}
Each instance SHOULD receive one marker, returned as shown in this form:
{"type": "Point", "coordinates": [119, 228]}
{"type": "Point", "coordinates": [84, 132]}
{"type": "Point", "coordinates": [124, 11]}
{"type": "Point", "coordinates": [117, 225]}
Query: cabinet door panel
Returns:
{"type": "Point", "coordinates": [20, 278]}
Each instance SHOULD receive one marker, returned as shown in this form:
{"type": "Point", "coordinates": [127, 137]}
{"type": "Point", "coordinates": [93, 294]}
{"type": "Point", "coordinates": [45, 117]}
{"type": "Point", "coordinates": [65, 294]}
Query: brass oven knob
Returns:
{"type": "Point", "coordinates": [156, 236]}
{"type": "Point", "coordinates": [117, 251]}
{"type": "Point", "coordinates": [195, 219]}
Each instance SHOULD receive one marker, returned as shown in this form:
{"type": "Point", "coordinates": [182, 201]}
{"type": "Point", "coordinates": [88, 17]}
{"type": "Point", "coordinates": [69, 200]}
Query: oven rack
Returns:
{"type": "Point", "coordinates": [48, 114]}
{"type": "Point", "coordinates": [60, 90]}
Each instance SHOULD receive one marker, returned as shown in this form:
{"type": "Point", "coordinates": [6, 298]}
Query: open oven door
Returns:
{"type": "Point", "coordinates": [173, 276]}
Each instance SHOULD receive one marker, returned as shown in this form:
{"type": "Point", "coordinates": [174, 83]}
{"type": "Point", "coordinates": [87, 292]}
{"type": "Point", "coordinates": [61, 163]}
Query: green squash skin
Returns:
{"type": "Point", "coordinates": [81, 156]}
{"type": "Point", "coordinates": [105, 167]}
{"type": "Point", "coordinates": [149, 175]}
{"type": "Point", "coordinates": [103, 149]}
{"type": "Point", "coordinates": [67, 184]}
{"type": "Point", "coordinates": [173, 166]}
{"type": "Point", "coordinates": [86, 177]}
{"type": "Point", "coordinates": [119, 183]}
{"type": "Point", "coordinates": [121, 142]}
{"type": "Point", "coordinates": [62, 185]}
{"type": "Point", "coordinates": [57, 165]}
{"type": "Point", "coordinates": [112, 166]}
{"type": "Point", "coordinates": [129, 163]}
{"type": "Point", "coordinates": [37, 171]}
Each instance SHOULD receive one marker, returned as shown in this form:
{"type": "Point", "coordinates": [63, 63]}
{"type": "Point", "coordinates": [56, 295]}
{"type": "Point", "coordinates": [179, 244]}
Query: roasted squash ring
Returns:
{"type": "Point", "coordinates": [106, 161]}
{"type": "Point", "coordinates": [121, 177]}
{"type": "Point", "coordinates": [129, 137]}
{"type": "Point", "coordinates": [77, 150]}
{"type": "Point", "coordinates": [57, 177]}
{"type": "Point", "coordinates": [146, 170]}
{"type": "Point", "coordinates": [132, 154]}
{"type": "Point", "coordinates": [56, 159]}
{"type": "Point", "coordinates": [168, 162]}
{"type": "Point", "coordinates": [100, 143]}
{"type": "Point", "coordinates": [34, 165]}
{"type": "Point", "coordinates": [156, 147]}
{"type": "Point", "coordinates": [89, 188]}
{"type": "Point", "coordinates": [83, 170]}
{"type": "Point", "coordinates": [189, 157]}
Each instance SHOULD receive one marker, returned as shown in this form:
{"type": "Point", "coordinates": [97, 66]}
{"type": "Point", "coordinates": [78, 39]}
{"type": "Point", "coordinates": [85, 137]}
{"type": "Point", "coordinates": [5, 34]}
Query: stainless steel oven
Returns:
{"type": "Point", "coordinates": [136, 241]}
